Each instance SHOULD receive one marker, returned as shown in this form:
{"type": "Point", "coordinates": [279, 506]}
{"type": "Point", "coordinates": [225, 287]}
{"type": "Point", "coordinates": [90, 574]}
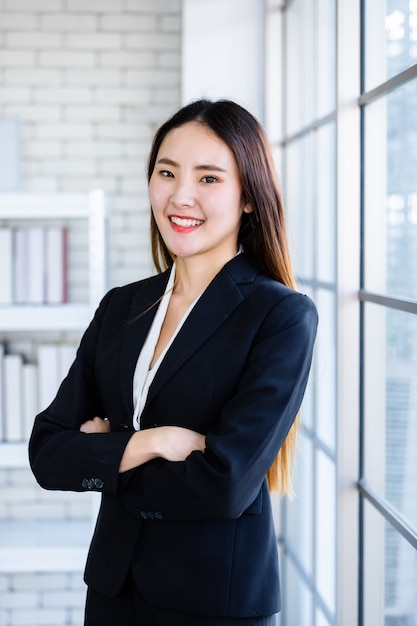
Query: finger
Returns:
{"type": "Point", "coordinates": [86, 427]}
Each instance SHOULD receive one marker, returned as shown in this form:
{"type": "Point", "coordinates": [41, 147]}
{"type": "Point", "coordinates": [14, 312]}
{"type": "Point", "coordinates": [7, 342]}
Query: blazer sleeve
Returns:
{"type": "Point", "coordinates": [225, 480]}
{"type": "Point", "coordinates": [62, 457]}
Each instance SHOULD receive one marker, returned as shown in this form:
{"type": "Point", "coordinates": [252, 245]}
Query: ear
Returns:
{"type": "Point", "coordinates": [247, 208]}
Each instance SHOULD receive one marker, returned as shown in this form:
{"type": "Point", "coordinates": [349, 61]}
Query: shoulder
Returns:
{"type": "Point", "coordinates": [276, 294]}
{"type": "Point", "coordinates": [267, 294]}
{"type": "Point", "coordinates": [138, 291]}
{"type": "Point", "coordinates": [156, 280]}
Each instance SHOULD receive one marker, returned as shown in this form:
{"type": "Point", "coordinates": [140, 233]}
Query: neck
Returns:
{"type": "Point", "coordinates": [193, 275]}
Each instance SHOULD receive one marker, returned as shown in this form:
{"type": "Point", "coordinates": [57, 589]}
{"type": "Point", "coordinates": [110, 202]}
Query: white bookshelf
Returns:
{"type": "Point", "coordinates": [67, 317]}
{"type": "Point", "coordinates": [61, 207]}
{"type": "Point", "coordinates": [55, 545]}
{"type": "Point", "coordinates": [64, 318]}
{"type": "Point", "coordinates": [14, 455]}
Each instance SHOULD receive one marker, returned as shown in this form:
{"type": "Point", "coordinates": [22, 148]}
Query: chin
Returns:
{"type": "Point", "coordinates": [183, 254]}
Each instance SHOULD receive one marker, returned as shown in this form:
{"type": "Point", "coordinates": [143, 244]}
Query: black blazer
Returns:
{"type": "Point", "coordinates": [199, 534]}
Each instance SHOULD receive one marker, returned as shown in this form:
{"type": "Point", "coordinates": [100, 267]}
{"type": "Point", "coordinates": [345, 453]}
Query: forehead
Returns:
{"type": "Point", "coordinates": [196, 142]}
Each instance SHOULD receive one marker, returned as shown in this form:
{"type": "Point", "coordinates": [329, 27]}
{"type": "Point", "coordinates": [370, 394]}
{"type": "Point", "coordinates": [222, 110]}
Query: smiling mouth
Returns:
{"type": "Point", "coordinates": [185, 222]}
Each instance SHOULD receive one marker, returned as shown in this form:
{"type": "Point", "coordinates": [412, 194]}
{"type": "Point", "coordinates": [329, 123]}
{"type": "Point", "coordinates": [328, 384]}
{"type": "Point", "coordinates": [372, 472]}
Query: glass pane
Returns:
{"type": "Point", "coordinates": [300, 508]}
{"type": "Point", "coordinates": [325, 369]}
{"type": "Point", "coordinates": [307, 407]}
{"type": "Point", "coordinates": [326, 203]}
{"type": "Point", "coordinates": [326, 530]}
{"type": "Point", "coordinates": [321, 619]}
{"type": "Point", "coordinates": [308, 404]}
{"type": "Point", "coordinates": [325, 30]}
{"type": "Point", "coordinates": [391, 193]}
{"type": "Point", "coordinates": [390, 574]}
{"type": "Point", "coordinates": [390, 416]}
{"type": "Point", "coordinates": [390, 39]}
{"type": "Point", "coordinates": [298, 79]}
{"type": "Point", "coordinates": [297, 598]}
{"type": "Point", "coordinates": [298, 191]}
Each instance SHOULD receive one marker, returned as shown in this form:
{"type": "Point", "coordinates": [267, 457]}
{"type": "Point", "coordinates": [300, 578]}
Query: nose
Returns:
{"type": "Point", "coordinates": [183, 193]}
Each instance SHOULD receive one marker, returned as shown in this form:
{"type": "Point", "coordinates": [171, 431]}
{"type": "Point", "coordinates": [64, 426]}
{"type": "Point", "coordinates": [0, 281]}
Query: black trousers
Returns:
{"type": "Point", "coordinates": [128, 608]}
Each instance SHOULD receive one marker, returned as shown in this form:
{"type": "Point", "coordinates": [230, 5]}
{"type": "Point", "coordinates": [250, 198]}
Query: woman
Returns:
{"type": "Point", "coordinates": [181, 403]}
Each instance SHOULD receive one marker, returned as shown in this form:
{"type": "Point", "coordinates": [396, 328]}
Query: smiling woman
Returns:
{"type": "Point", "coordinates": [181, 405]}
{"type": "Point", "coordinates": [197, 207]}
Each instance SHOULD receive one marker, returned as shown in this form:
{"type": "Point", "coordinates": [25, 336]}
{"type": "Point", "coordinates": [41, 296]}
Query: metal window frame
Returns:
{"type": "Point", "coordinates": [366, 492]}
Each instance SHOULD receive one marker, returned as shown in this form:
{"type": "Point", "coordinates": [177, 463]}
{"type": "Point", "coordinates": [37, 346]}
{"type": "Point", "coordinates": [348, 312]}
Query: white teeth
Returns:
{"type": "Point", "coordinates": [185, 222]}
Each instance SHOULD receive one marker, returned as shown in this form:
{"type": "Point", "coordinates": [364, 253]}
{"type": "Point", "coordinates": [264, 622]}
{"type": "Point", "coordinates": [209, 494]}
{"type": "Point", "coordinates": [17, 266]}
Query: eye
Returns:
{"type": "Point", "coordinates": [209, 179]}
{"type": "Point", "coordinates": [166, 174]}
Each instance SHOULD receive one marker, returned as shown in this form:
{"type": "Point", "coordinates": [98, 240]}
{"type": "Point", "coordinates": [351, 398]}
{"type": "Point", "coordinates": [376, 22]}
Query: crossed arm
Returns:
{"type": "Point", "coordinates": [172, 443]}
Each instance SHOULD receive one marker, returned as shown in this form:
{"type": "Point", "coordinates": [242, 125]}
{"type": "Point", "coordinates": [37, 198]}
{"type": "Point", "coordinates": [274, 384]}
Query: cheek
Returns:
{"type": "Point", "coordinates": [156, 195]}
{"type": "Point", "coordinates": [232, 206]}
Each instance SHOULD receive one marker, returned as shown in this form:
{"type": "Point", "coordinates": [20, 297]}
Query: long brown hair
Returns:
{"type": "Point", "coordinates": [262, 232]}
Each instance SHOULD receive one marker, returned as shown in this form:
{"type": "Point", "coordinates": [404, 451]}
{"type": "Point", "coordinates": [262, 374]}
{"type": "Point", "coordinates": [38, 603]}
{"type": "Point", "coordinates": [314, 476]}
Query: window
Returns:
{"type": "Point", "coordinates": [388, 294]}
{"type": "Point", "coordinates": [349, 161]}
{"type": "Point", "coordinates": [309, 183]}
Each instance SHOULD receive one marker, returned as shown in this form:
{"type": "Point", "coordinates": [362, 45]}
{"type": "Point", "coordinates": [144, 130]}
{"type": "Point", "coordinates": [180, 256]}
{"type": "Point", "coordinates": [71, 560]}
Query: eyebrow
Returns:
{"type": "Point", "coordinates": [203, 166]}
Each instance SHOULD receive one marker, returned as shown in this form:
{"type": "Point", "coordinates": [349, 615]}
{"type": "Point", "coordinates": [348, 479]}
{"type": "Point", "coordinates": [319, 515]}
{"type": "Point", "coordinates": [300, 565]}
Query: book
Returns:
{"type": "Point", "coordinates": [35, 265]}
{"type": "Point", "coordinates": [29, 397]}
{"type": "Point", "coordinates": [38, 265]}
{"type": "Point", "coordinates": [12, 388]}
{"type": "Point", "coordinates": [20, 262]}
{"type": "Point", "coordinates": [1, 392]}
{"type": "Point", "coordinates": [67, 352]}
{"type": "Point", "coordinates": [56, 265]}
{"type": "Point", "coordinates": [48, 374]}
{"type": "Point", "coordinates": [6, 264]}
{"type": "Point", "coordinates": [65, 265]}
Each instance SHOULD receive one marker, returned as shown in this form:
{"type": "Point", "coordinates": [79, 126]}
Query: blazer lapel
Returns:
{"type": "Point", "coordinates": [219, 300]}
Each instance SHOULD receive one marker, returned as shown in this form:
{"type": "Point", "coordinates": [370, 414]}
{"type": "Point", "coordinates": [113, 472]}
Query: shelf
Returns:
{"type": "Point", "coordinates": [63, 317]}
{"type": "Point", "coordinates": [44, 546]}
{"type": "Point", "coordinates": [17, 560]}
{"type": "Point", "coordinates": [39, 206]}
{"type": "Point", "coordinates": [14, 455]}
{"type": "Point", "coordinates": [66, 206]}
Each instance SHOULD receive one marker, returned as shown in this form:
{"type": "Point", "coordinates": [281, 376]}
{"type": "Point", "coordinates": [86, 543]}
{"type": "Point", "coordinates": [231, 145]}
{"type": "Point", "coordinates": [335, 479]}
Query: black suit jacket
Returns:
{"type": "Point", "coordinates": [199, 534]}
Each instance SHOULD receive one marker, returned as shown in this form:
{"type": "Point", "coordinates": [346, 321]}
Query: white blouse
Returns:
{"type": "Point", "coordinates": [144, 374]}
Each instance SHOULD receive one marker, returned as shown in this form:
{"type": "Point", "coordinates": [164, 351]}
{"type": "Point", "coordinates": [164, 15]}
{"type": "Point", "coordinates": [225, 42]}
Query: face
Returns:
{"type": "Point", "coordinates": [195, 194]}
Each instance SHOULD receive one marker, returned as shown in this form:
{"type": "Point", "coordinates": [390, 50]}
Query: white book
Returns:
{"type": "Point", "coordinates": [20, 263]}
{"type": "Point", "coordinates": [36, 265]}
{"type": "Point", "coordinates": [6, 265]}
{"type": "Point", "coordinates": [30, 397]}
{"type": "Point", "coordinates": [48, 374]}
{"type": "Point", "coordinates": [1, 392]}
{"type": "Point", "coordinates": [56, 265]}
{"type": "Point", "coordinates": [13, 418]}
{"type": "Point", "coordinates": [67, 353]}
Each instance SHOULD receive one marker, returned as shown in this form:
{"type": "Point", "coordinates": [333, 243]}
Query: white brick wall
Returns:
{"type": "Point", "coordinates": [54, 599]}
{"type": "Point", "coordinates": [30, 515]}
{"type": "Point", "coordinates": [22, 499]}
{"type": "Point", "coordinates": [89, 81]}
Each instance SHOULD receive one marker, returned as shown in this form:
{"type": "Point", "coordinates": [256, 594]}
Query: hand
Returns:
{"type": "Point", "coordinates": [176, 443]}
{"type": "Point", "coordinates": [96, 425]}
{"type": "Point", "coordinates": [172, 443]}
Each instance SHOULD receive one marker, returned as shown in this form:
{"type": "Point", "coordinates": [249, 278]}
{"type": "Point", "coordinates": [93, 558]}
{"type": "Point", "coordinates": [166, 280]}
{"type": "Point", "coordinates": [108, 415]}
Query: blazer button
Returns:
{"type": "Point", "coordinates": [144, 515]}
{"type": "Point", "coordinates": [98, 483]}
{"type": "Point", "coordinates": [159, 515]}
{"type": "Point", "coordinates": [84, 483]}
